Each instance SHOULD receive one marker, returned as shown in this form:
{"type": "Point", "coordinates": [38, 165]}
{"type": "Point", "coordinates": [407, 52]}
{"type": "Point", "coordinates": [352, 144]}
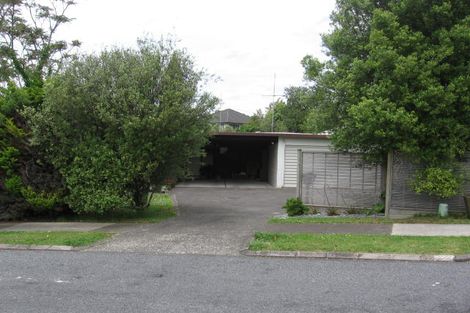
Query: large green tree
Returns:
{"type": "Point", "coordinates": [270, 120]}
{"type": "Point", "coordinates": [29, 53]}
{"type": "Point", "coordinates": [398, 78]}
{"type": "Point", "coordinates": [299, 101]}
{"type": "Point", "coordinates": [116, 125]}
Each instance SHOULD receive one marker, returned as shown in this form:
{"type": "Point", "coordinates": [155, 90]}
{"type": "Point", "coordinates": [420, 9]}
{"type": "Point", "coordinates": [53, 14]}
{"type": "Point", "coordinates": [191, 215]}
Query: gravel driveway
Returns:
{"type": "Point", "coordinates": [212, 221]}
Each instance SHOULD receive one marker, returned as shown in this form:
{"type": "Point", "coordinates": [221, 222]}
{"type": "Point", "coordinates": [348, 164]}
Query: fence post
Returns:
{"type": "Point", "coordinates": [388, 184]}
{"type": "Point", "coordinates": [300, 163]}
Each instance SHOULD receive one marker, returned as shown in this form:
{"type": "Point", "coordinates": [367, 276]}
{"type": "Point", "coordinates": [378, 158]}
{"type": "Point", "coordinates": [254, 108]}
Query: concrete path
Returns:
{"type": "Point", "coordinates": [212, 221]}
{"type": "Point", "coordinates": [431, 229]}
{"type": "Point", "coordinates": [53, 226]}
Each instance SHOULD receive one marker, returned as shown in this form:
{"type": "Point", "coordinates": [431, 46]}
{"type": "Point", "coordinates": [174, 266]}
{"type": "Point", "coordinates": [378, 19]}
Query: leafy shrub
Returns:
{"type": "Point", "coordinates": [14, 185]}
{"type": "Point", "coordinates": [295, 206]}
{"type": "Point", "coordinates": [116, 124]}
{"type": "Point", "coordinates": [313, 210]}
{"type": "Point", "coordinates": [353, 211]}
{"type": "Point", "coordinates": [439, 182]}
{"type": "Point", "coordinates": [40, 200]}
{"type": "Point", "coordinates": [377, 208]}
{"type": "Point", "coordinates": [332, 211]}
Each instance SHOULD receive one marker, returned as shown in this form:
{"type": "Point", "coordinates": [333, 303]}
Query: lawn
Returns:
{"type": "Point", "coordinates": [425, 219]}
{"type": "Point", "coordinates": [360, 243]}
{"type": "Point", "coordinates": [74, 239]}
{"type": "Point", "coordinates": [161, 208]}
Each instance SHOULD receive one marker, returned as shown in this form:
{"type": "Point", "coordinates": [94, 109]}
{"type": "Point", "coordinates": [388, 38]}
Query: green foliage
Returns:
{"type": "Point", "coordinates": [8, 158]}
{"type": "Point", "coordinates": [299, 101]}
{"type": "Point", "coordinates": [272, 119]}
{"type": "Point", "coordinates": [160, 208]}
{"type": "Point", "coordinates": [313, 211]}
{"type": "Point", "coordinates": [29, 53]}
{"type": "Point", "coordinates": [377, 208]}
{"type": "Point", "coordinates": [96, 178]}
{"type": "Point", "coordinates": [402, 78]}
{"type": "Point", "coordinates": [353, 211]}
{"type": "Point", "coordinates": [255, 123]}
{"type": "Point", "coordinates": [398, 79]}
{"type": "Point", "coordinates": [118, 123]}
{"type": "Point", "coordinates": [28, 48]}
{"type": "Point", "coordinates": [40, 200]}
{"type": "Point", "coordinates": [355, 243]}
{"type": "Point", "coordinates": [439, 182]}
{"type": "Point", "coordinates": [332, 212]}
{"type": "Point", "coordinates": [13, 185]}
{"type": "Point", "coordinates": [295, 206]}
{"type": "Point", "coordinates": [61, 238]}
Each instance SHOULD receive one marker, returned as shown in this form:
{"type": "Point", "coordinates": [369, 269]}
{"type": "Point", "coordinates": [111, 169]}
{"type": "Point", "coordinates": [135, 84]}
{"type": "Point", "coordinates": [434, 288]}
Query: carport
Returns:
{"type": "Point", "coordinates": [261, 157]}
{"type": "Point", "coordinates": [238, 157]}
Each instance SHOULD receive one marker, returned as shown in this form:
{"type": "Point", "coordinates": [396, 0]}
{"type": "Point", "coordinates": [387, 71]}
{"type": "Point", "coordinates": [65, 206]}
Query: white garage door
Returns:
{"type": "Point", "coordinates": [290, 157]}
{"type": "Point", "coordinates": [290, 166]}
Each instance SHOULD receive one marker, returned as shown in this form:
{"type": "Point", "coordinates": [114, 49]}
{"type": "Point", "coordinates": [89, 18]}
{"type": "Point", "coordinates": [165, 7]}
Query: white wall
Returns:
{"type": "Point", "coordinates": [287, 162]}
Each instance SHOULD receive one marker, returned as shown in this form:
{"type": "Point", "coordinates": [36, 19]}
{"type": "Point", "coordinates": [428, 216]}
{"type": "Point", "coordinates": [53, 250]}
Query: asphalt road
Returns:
{"type": "Point", "coordinates": [34, 281]}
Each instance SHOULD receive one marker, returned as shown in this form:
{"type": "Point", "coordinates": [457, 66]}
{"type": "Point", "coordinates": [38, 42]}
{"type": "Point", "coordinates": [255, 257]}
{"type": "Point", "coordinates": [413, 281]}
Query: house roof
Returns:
{"type": "Point", "coordinates": [273, 134]}
{"type": "Point", "coordinates": [230, 116]}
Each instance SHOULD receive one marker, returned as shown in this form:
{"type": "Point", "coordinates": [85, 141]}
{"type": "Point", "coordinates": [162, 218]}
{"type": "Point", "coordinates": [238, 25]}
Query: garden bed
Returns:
{"type": "Point", "coordinates": [377, 219]}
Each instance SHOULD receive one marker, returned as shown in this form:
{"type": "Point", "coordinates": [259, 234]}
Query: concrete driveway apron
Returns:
{"type": "Point", "coordinates": [212, 221]}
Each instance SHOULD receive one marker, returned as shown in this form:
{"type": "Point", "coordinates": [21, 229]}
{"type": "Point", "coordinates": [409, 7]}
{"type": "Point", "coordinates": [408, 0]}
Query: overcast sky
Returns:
{"type": "Point", "coordinates": [242, 42]}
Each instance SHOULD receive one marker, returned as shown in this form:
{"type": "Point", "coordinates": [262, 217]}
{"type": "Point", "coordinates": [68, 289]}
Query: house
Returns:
{"type": "Point", "coordinates": [260, 156]}
{"type": "Point", "coordinates": [229, 118]}
{"type": "Point", "coordinates": [322, 177]}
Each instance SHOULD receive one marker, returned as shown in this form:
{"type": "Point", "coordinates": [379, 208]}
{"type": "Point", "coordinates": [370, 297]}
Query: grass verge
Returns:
{"type": "Point", "coordinates": [371, 220]}
{"type": "Point", "coordinates": [161, 208]}
{"type": "Point", "coordinates": [74, 239]}
{"type": "Point", "coordinates": [360, 243]}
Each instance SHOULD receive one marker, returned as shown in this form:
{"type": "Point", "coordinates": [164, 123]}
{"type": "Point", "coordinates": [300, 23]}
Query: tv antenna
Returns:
{"type": "Point", "coordinates": [272, 104]}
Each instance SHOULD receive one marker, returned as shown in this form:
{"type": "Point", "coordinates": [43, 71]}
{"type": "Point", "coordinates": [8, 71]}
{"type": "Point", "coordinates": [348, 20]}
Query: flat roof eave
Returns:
{"type": "Point", "coordinates": [272, 135]}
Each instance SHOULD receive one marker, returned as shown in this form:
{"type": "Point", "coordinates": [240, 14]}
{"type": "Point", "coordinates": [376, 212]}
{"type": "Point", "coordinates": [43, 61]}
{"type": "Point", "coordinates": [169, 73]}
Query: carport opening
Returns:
{"type": "Point", "coordinates": [237, 158]}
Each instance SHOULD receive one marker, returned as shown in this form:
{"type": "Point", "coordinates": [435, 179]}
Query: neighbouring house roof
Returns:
{"type": "Point", "coordinates": [229, 116]}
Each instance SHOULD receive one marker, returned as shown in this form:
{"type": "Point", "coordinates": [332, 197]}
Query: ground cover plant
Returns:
{"type": "Point", "coordinates": [74, 239]}
{"type": "Point", "coordinates": [161, 207]}
{"type": "Point", "coordinates": [360, 243]}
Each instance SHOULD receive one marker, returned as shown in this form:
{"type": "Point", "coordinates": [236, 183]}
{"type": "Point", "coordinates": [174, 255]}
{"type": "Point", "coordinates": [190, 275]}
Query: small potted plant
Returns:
{"type": "Point", "coordinates": [438, 182]}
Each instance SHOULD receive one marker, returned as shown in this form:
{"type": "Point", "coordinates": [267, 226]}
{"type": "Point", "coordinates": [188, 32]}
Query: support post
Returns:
{"type": "Point", "coordinates": [388, 184]}
{"type": "Point", "coordinates": [300, 161]}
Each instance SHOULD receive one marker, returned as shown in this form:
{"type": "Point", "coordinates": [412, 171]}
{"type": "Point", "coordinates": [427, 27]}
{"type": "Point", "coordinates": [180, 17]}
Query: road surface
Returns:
{"type": "Point", "coordinates": [35, 281]}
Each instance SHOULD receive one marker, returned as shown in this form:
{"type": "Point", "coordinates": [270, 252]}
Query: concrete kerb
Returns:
{"type": "Point", "coordinates": [358, 256]}
{"type": "Point", "coordinates": [462, 258]}
{"type": "Point", "coordinates": [37, 247]}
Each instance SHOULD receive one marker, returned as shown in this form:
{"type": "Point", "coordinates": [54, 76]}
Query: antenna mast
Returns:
{"type": "Point", "coordinates": [272, 104]}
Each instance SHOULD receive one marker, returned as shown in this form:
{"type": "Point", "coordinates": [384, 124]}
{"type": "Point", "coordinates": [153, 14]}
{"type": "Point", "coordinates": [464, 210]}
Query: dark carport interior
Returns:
{"type": "Point", "coordinates": [235, 157]}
